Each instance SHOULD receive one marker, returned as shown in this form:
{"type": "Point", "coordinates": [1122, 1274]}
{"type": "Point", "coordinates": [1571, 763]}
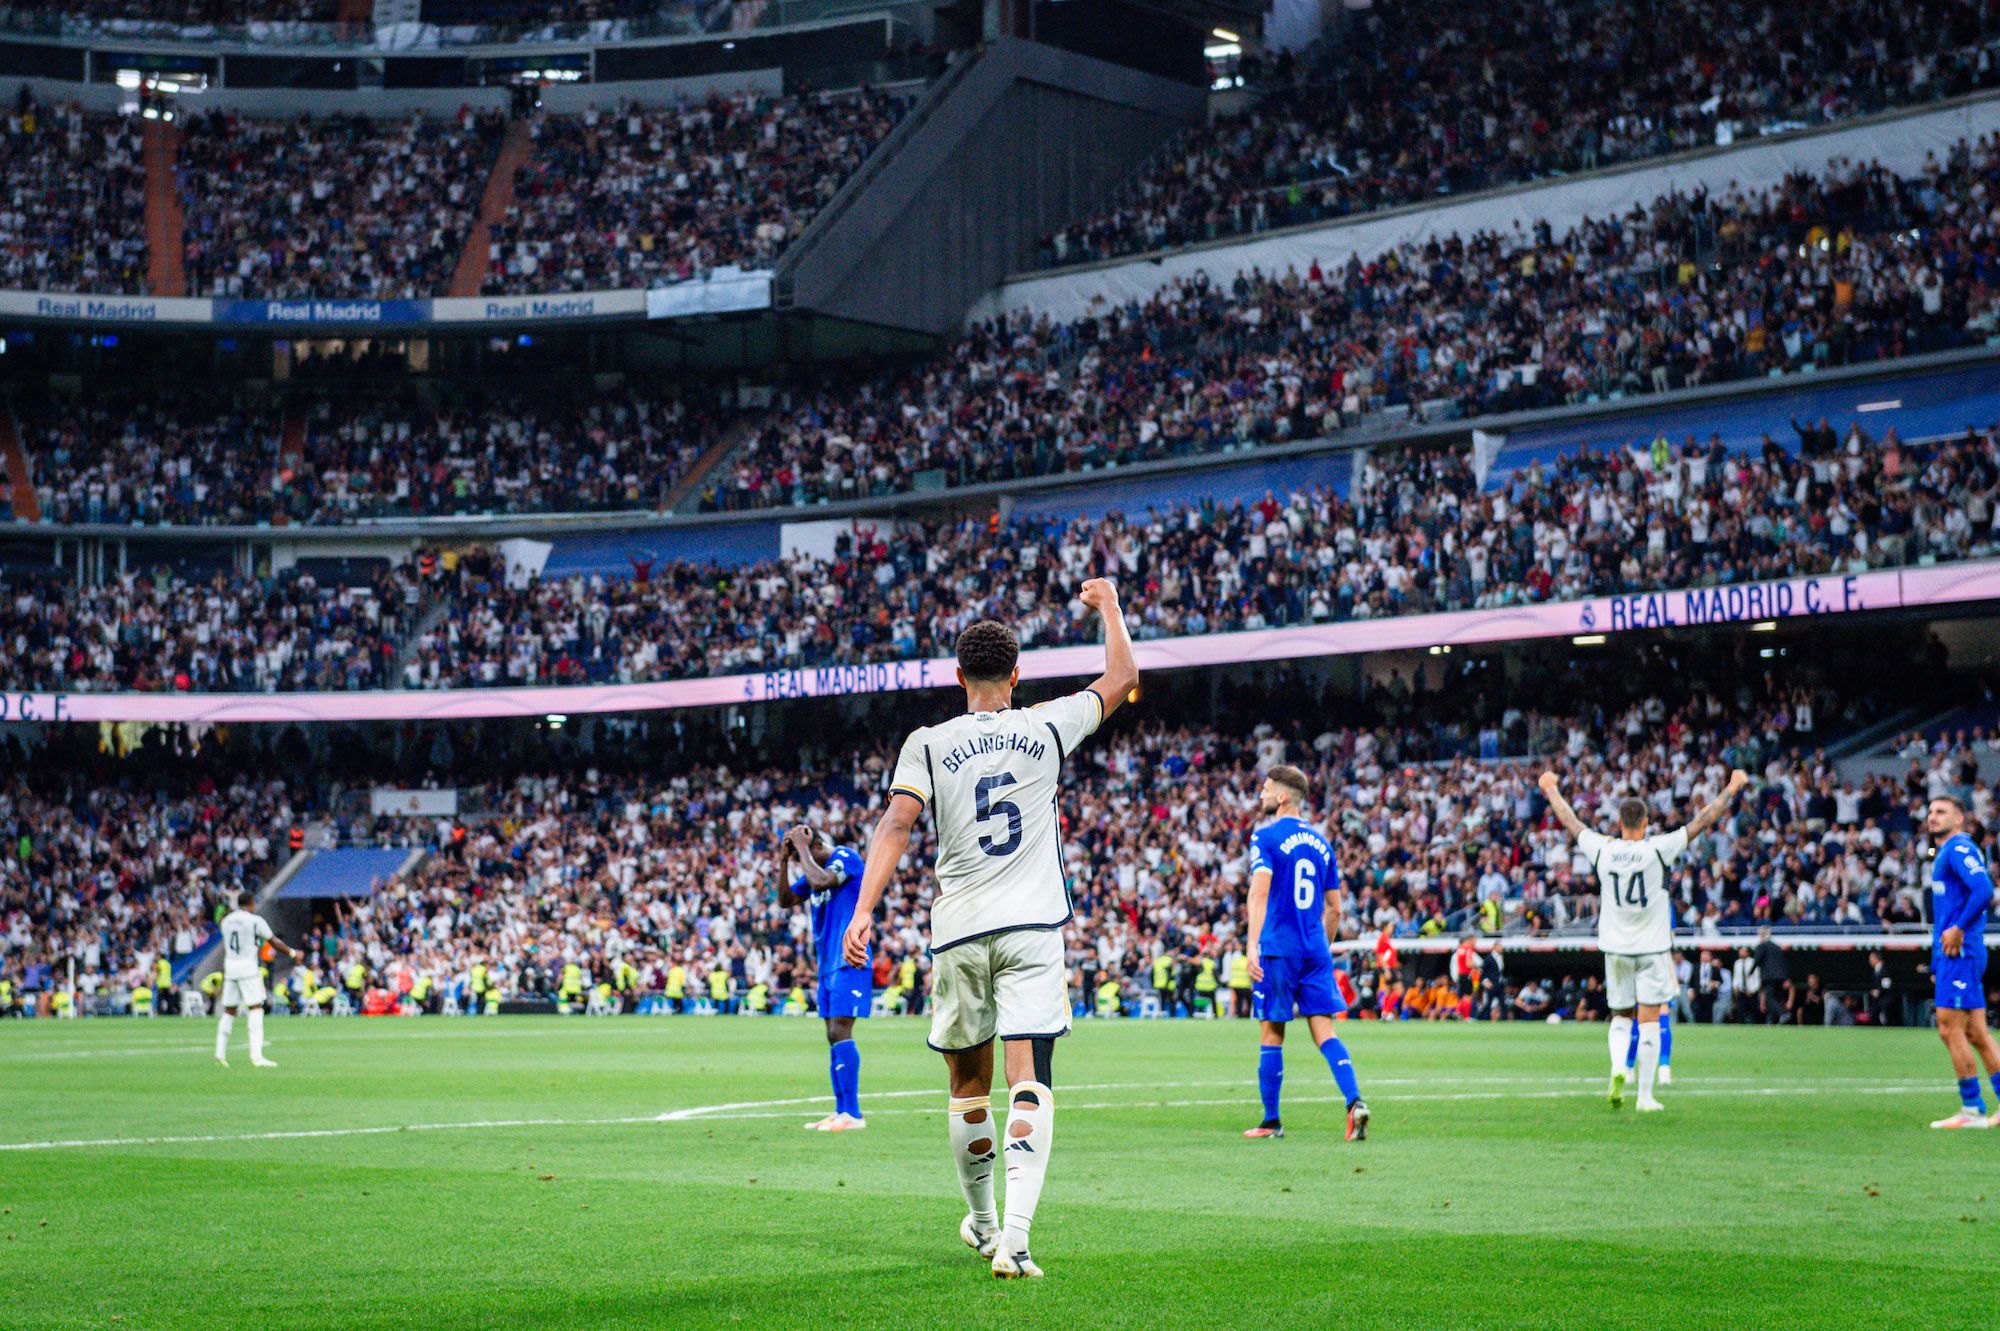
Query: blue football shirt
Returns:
{"type": "Point", "coordinates": [833, 908]}
{"type": "Point", "coordinates": [1302, 873]}
{"type": "Point", "coordinates": [1962, 890]}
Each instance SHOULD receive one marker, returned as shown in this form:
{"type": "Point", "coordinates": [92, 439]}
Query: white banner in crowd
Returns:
{"type": "Point", "coordinates": [385, 802]}
{"type": "Point", "coordinates": [1744, 603]}
{"type": "Point", "coordinates": [525, 560]}
{"type": "Point", "coordinates": [1901, 143]}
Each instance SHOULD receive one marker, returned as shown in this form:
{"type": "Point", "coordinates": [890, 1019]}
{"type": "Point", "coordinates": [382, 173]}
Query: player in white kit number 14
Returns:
{"type": "Point", "coordinates": [243, 933]}
{"type": "Point", "coordinates": [990, 778]}
{"type": "Point", "coordinates": [1635, 930]}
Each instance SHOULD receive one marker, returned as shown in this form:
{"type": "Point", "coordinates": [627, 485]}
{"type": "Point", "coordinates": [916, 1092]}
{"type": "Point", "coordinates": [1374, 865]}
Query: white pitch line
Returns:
{"type": "Point", "coordinates": [761, 1109]}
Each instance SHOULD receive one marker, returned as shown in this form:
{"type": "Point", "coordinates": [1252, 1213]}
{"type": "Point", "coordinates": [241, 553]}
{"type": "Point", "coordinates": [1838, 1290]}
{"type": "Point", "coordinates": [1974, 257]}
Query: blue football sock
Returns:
{"type": "Point", "coordinates": [1666, 1039]}
{"type": "Point", "coordinates": [845, 1061]}
{"type": "Point", "coordinates": [1996, 1087]}
{"type": "Point", "coordinates": [1968, 1094]}
{"type": "Point", "coordinates": [1343, 1067]}
{"type": "Point", "coordinates": [1632, 1047]}
{"type": "Point", "coordinates": [1270, 1076]}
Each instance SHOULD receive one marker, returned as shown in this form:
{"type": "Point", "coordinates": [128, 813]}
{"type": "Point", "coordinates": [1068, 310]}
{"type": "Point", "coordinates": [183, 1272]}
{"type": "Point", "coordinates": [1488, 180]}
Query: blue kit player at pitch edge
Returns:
{"type": "Point", "coordinates": [1294, 905]}
{"type": "Point", "coordinates": [1961, 892]}
{"type": "Point", "coordinates": [830, 881]}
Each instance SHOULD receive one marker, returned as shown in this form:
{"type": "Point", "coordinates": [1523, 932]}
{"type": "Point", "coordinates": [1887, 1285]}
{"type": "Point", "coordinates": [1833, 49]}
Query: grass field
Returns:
{"type": "Point", "coordinates": [651, 1173]}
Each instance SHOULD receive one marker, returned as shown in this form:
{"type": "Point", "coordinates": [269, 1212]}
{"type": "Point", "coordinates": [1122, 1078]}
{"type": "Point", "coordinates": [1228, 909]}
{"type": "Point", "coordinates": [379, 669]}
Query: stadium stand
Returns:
{"type": "Point", "coordinates": [640, 197]}
{"type": "Point", "coordinates": [189, 458]}
{"type": "Point", "coordinates": [159, 630]}
{"type": "Point", "coordinates": [1416, 101]}
{"type": "Point", "coordinates": [184, 13]}
{"type": "Point", "coordinates": [72, 200]}
{"type": "Point", "coordinates": [1429, 789]}
{"type": "Point", "coordinates": [268, 217]}
{"type": "Point", "coordinates": [1861, 265]}
{"type": "Point", "coordinates": [1412, 533]}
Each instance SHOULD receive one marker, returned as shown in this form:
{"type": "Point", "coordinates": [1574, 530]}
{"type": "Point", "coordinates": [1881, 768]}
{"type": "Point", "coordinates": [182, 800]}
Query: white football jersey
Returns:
{"type": "Point", "coordinates": [242, 933]}
{"type": "Point", "coordinates": [1633, 915]}
{"type": "Point", "coordinates": [990, 780]}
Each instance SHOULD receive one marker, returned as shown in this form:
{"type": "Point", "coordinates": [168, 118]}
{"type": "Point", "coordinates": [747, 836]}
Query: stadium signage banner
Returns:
{"type": "Point", "coordinates": [322, 311]}
{"type": "Point", "coordinates": [1746, 604]}
{"type": "Point", "coordinates": [118, 310]}
{"type": "Point", "coordinates": [721, 294]}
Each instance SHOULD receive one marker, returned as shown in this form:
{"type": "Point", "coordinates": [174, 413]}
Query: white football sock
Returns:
{"type": "Point", "coordinates": [1027, 1157]}
{"type": "Point", "coordinates": [1649, 1057]}
{"type": "Point", "coordinates": [974, 1147]}
{"type": "Point", "coordinates": [256, 1034]}
{"type": "Point", "coordinates": [1621, 1039]}
{"type": "Point", "coordinates": [222, 1028]}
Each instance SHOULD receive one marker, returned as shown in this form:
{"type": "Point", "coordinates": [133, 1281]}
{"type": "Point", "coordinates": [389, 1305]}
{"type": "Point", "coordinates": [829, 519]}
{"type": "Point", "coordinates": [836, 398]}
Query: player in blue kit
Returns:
{"type": "Point", "coordinates": [830, 881]}
{"type": "Point", "coordinates": [1961, 891]}
{"type": "Point", "coordinates": [1294, 904]}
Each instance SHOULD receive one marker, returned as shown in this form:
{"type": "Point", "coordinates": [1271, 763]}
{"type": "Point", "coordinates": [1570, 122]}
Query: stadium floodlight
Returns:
{"type": "Point", "coordinates": [1587, 640]}
{"type": "Point", "coordinates": [128, 78]}
{"type": "Point", "coordinates": [1224, 34]}
{"type": "Point", "coordinates": [1765, 626]}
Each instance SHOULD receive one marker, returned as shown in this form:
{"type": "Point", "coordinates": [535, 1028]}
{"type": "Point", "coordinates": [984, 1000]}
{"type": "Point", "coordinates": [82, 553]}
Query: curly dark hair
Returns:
{"type": "Point", "coordinates": [988, 651]}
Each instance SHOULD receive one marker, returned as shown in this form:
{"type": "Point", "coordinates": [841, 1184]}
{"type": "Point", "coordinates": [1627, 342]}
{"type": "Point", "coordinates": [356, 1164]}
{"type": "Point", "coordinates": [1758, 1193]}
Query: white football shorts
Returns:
{"type": "Point", "coordinates": [1648, 979]}
{"type": "Point", "coordinates": [1012, 985]}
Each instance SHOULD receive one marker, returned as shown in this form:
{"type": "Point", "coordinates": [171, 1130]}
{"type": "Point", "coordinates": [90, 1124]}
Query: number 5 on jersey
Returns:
{"type": "Point", "coordinates": [985, 807]}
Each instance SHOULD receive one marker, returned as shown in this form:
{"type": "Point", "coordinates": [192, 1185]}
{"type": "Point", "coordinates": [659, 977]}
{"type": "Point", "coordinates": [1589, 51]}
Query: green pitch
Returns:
{"type": "Point", "coordinates": [519, 1172]}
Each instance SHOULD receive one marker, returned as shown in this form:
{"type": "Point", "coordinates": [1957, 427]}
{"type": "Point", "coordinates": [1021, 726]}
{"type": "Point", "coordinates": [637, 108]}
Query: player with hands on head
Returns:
{"type": "Point", "coordinates": [829, 882]}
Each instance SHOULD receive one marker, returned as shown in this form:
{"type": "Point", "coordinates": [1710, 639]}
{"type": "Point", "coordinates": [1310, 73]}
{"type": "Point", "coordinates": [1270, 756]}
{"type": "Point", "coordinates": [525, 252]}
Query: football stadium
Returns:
{"type": "Point", "coordinates": [641, 641]}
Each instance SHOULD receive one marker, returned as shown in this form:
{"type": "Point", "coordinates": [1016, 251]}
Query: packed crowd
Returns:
{"type": "Point", "coordinates": [1414, 534]}
{"type": "Point", "coordinates": [159, 630]}
{"type": "Point", "coordinates": [1413, 100]}
{"type": "Point", "coordinates": [337, 206]}
{"type": "Point", "coordinates": [201, 458]}
{"type": "Point", "coordinates": [1856, 266]}
{"type": "Point", "coordinates": [72, 200]}
{"type": "Point", "coordinates": [179, 13]}
{"type": "Point", "coordinates": [1427, 785]}
{"type": "Point", "coordinates": [643, 197]}
{"type": "Point", "coordinates": [113, 880]}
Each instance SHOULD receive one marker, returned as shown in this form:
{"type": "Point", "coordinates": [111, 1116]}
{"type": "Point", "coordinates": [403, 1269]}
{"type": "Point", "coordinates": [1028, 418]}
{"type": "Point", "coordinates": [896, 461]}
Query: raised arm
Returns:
{"type": "Point", "coordinates": [1552, 792]}
{"type": "Point", "coordinates": [817, 874]}
{"type": "Point", "coordinates": [1121, 670]}
{"type": "Point", "coordinates": [786, 897]}
{"type": "Point", "coordinates": [885, 848]}
{"type": "Point", "coordinates": [1711, 813]}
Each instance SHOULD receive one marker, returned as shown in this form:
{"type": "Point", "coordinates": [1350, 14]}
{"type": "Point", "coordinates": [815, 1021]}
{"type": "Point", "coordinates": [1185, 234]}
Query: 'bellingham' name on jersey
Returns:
{"type": "Point", "coordinates": [1303, 871]}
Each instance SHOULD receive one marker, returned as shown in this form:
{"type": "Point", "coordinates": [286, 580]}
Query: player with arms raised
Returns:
{"type": "Point", "coordinates": [829, 881]}
{"type": "Point", "coordinates": [244, 932]}
{"type": "Point", "coordinates": [1961, 892]}
{"type": "Point", "coordinates": [1634, 920]}
{"type": "Point", "coordinates": [991, 778]}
